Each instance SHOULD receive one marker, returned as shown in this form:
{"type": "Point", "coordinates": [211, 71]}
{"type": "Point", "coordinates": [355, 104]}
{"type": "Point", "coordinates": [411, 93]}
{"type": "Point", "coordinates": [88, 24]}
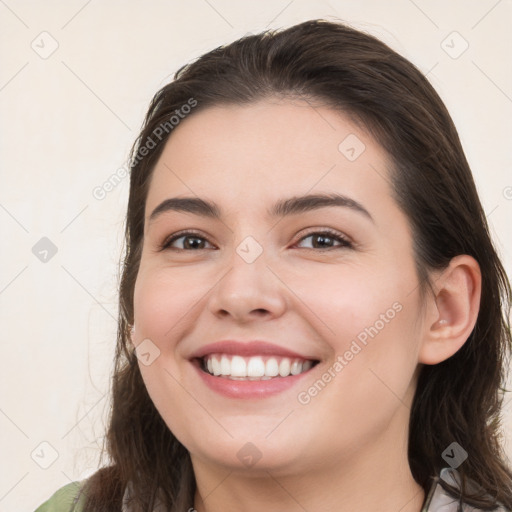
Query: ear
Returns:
{"type": "Point", "coordinates": [452, 312]}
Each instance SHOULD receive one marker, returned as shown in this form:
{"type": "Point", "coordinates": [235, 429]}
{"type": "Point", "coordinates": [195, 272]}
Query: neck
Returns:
{"type": "Point", "coordinates": [374, 480]}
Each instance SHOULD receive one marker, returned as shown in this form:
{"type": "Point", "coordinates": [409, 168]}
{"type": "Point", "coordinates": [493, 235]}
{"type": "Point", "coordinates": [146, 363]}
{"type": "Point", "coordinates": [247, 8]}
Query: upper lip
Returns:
{"type": "Point", "coordinates": [248, 349]}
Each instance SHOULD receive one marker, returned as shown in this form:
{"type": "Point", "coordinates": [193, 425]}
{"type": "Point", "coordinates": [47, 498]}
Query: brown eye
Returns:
{"type": "Point", "coordinates": [327, 240]}
{"type": "Point", "coordinates": [190, 241]}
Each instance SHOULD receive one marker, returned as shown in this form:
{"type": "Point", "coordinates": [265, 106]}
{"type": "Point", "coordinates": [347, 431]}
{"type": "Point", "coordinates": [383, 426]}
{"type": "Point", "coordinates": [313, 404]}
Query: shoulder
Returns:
{"type": "Point", "coordinates": [69, 498]}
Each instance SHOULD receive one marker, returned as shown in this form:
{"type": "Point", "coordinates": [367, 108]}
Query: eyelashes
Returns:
{"type": "Point", "coordinates": [321, 235]}
{"type": "Point", "coordinates": [183, 234]}
{"type": "Point", "coordinates": [329, 234]}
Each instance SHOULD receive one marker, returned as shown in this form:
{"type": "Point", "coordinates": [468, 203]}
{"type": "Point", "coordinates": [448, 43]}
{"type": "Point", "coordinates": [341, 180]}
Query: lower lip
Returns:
{"type": "Point", "coordinates": [248, 388]}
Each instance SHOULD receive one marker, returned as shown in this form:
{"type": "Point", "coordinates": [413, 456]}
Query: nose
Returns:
{"type": "Point", "coordinates": [248, 291]}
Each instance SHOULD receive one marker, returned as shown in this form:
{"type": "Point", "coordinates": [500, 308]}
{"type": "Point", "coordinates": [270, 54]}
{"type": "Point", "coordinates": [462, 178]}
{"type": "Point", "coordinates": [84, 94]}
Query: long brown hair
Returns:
{"type": "Point", "coordinates": [352, 72]}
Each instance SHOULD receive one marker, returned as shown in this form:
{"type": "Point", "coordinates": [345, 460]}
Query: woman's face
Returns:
{"type": "Point", "coordinates": [346, 299]}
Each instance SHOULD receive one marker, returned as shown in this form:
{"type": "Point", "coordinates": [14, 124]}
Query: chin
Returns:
{"type": "Point", "coordinates": [256, 457]}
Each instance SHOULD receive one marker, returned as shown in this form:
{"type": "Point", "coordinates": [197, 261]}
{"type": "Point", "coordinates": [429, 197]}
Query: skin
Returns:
{"type": "Point", "coordinates": [346, 449]}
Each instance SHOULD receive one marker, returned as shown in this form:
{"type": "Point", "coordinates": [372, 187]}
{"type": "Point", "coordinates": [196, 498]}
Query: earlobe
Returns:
{"type": "Point", "coordinates": [453, 310]}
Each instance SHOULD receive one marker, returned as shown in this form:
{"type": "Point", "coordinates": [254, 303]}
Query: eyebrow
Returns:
{"type": "Point", "coordinates": [284, 207]}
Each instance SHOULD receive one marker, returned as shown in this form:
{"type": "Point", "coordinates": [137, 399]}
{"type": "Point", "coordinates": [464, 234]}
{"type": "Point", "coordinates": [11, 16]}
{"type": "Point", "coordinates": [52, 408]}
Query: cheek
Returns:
{"type": "Point", "coordinates": [369, 377]}
{"type": "Point", "coordinates": [369, 318]}
{"type": "Point", "coordinates": [162, 301]}
{"type": "Point", "coordinates": [378, 357]}
{"type": "Point", "coordinates": [349, 299]}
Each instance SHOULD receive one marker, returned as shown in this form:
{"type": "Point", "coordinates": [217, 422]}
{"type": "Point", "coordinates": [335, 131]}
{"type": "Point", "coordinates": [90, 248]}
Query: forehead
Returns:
{"type": "Point", "coordinates": [257, 153]}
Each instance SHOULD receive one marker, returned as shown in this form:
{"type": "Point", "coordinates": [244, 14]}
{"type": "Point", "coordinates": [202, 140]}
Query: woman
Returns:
{"type": "Point", "coordinates": [312, 313]}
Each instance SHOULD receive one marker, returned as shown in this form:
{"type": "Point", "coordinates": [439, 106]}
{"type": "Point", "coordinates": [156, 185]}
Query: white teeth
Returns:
{"type": "Point", "coordinates": [271, 368]}
{"type": "Point", "coordinates": [225, 366]}
{"type": "Point", "coordinates": [284, 367]}
{"type": "Point", "coordinates": [254, 368]}
{"type": "Point", "coordinates": [238, 367]}
{"type": "Point", "coordinates": [296, 368]}
{"type": "Point", "coordinates": [215, 366]}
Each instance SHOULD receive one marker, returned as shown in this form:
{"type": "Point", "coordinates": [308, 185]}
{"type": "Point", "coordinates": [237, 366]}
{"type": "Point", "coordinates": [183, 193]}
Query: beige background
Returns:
{"type": "Point", "coordinates": [68, 119]}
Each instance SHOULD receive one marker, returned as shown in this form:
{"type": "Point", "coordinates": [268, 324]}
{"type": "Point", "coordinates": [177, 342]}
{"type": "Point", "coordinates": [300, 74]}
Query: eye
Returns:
{"type": "Point", "coordinates": [326, 238]}
{"type": "Point", "coordinates": [192, 241]}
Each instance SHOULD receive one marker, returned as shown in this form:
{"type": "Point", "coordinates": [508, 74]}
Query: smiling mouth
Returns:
{"type": "Point", "coordinates": [254, 368]}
